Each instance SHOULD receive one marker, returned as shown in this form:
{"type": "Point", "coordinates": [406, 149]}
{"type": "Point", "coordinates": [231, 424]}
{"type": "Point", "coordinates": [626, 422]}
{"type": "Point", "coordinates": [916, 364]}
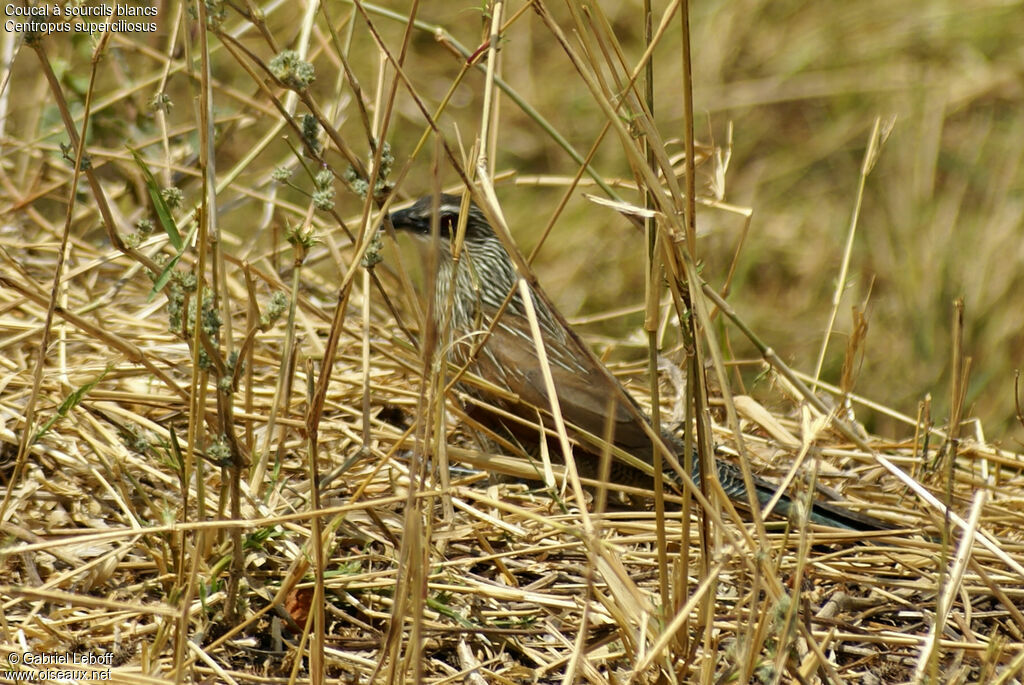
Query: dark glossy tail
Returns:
{"type": "Point", "coordinates": [824, 513]}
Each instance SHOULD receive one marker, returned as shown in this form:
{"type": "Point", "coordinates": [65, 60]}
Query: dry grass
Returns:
{"type": "Point", "coordinates": [164, 502]}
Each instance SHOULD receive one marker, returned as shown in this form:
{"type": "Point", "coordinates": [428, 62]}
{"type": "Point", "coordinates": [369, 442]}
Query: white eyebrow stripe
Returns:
{"type": "Point", "coordinates": [449, 209]}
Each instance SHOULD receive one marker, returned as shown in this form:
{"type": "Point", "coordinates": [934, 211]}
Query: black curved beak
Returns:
{"type": "Point", "coordinates": [406, 220]}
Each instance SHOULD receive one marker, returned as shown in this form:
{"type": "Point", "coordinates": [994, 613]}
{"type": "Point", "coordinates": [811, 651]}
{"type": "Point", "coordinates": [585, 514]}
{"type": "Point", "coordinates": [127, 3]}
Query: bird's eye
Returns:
{"type": "Point", "coordinates": [448, 223]}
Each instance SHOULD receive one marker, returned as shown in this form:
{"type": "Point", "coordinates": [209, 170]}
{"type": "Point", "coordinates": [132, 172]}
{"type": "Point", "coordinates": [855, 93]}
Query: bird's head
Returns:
{"type": "Point", "coordinates": [417, 218]}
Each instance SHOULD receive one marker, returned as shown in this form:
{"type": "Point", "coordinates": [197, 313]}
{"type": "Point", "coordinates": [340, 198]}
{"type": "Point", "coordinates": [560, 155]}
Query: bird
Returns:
{"type": "Point", "coordinates": [490, 334]}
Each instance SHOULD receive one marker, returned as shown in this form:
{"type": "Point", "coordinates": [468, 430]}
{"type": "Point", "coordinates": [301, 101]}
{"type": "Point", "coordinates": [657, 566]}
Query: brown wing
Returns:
{"type": "Point", "coordinates": [584, 391]}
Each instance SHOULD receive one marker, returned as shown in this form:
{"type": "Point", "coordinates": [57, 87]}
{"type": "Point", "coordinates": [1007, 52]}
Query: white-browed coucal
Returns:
{"type": "Point", "coordinates": [503, 353]}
